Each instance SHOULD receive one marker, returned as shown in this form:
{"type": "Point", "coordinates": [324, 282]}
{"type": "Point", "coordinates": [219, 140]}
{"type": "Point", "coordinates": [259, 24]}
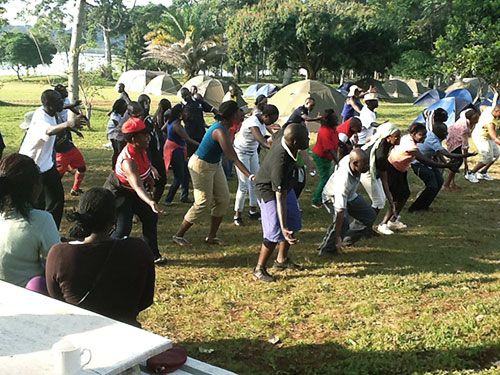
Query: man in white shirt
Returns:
{"type": "Point", "coordinates": [38, 144]}
{"type": "Point", "coordinates": [368, 119]}
{"type": "Point", "coordinates": [341, 200]}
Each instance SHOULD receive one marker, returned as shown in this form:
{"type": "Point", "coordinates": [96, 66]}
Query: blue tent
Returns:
{"type": "Point", "coordinates": [429, 97]}
{"type": "Point", "coordinates": [268, 90]}
{"type": "Point", "coordinates": [453, 106]}
{"type": "Point", "coordinates": [489, 99]}
{"type": "Point", "coordinates": [460, 93]}
{"type": "Point", "coordinates": [251, 91]}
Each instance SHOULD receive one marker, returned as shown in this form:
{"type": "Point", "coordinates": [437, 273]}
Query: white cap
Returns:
{"type": "Point", "coordinates": [352, 90]}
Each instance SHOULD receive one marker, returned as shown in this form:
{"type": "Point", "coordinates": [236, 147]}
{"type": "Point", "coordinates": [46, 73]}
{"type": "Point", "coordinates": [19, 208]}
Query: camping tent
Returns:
{"type": "Point", "coordinates": [474, 85]}
{"type": "Point", "coordinates": [416, 86]}
{"type": "Point", "coordinates": [196, 81]}
{"type": "Point", "coordinates": [163, 85]}
{"type": "Point", "coordinates": [488, 100]}
{"type": "Point", "coordinates": [268, 90]}
{"type": "Point", "coordinates": [212, 90]}
{"type": "Point", "coordinates": [453, 106]}
{"type": "Point", "coordinates": [344, 88]}
{"type": "Point", "coordinates": [295, 95]}
{"type": "Point", "coordinates": [397, 89]}
{"type": "Point", "coordinates": [137, 80]}
{"type": "Point", "coordinates": [365, 84]}
{"type": "Point", "coordinates": [429, 97]}
{"type": "Point", "coordinates": [460, 93]}
{"type": "Point", "coordinates": [251, 91]}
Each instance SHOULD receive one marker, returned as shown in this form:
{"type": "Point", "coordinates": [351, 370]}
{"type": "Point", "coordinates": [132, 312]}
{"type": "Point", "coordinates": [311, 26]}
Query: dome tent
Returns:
{"type": "Point", "coordinates": [477, 87]}
{"type": "Point", "coordinates": [163, 85]}
{"type": "Point", "coordinates": [137, 80]}
{"type": "Point", "coordinates": [429, 97]}
{"type": "Point", "coordinates": [416, 86]}
{"type": "Point", "coordinates": [397, 89]}
{"type": "Point", "coordinates": [365, 84]}
{"type": "Point", "coordinates": [268, 90]}
{"type": "Point", "coordinates": [453, 106]}
{"type": "Point", "coordinates": [251, 91]}
{"type": "Point", "coordinates": [460, 93]}
{"type": "Point", "coordinates": [295, 94]}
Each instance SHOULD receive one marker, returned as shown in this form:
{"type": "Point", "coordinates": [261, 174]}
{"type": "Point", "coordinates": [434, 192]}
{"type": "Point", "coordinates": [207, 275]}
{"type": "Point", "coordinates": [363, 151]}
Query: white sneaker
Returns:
{"type": "Point", "coordinates": [384, 229]}
{"type": "Point", "coordinates": [479, 176]}
{"type": "Point", "coordinates": [487, 177]}
{"type": "Point", "coordinates": [396, 225]}
{"type": "Point", "coordinates": [471, 178]}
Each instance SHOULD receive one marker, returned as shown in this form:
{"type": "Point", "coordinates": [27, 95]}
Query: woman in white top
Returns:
{"type": "Point", "coordinates": [251, 135]}
{"type": "Point", "coordinates": [113, 131]}
{"type": "Point", "coordinates": [26, 234]}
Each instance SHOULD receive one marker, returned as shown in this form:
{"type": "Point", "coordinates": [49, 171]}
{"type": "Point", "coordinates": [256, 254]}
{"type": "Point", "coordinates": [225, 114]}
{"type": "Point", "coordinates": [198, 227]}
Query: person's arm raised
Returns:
{"type": "Point", "coordinates": [132, 173]}
{"type": "Point", "coordinates": [220, 136]}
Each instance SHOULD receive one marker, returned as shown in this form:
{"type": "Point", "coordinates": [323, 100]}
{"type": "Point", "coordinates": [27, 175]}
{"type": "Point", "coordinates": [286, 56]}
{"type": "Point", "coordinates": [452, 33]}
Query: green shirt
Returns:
{"type": "Point", "coordinates": [24, 245]}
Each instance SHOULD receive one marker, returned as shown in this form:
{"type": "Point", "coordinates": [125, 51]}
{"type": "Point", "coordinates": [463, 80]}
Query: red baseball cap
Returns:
{"type": "Point", "coordinates": [133, 125]}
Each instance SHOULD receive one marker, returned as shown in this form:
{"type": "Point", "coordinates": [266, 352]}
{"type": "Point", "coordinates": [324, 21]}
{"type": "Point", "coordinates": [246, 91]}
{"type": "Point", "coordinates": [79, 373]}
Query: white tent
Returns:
{"type": "Point", "coordinates": [137, 80]}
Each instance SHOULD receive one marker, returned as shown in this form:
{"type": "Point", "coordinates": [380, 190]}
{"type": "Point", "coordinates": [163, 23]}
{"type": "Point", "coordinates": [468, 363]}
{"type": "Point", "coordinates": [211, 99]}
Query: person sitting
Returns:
{"type": "Point", "coordinates": [175, 154]}
{"type": "Point", "coordinates": [486, 138]}
{"type": "Point", "coordinates": [209, 182]}
{"type": "Point", "coordinates": [112, 277]}
{"type": "Point", "coordinates": [341, 200]}
{"type": "Point", "coordinates": [458, 143]}
{"type": "Point", "coordinates": [325, 151]}
{"type": "Point", "coordinates": [281, 217]}
{"type": "Point", "coordinates": [133, 172]}
{"type": "Point", "coordinates": [431, 175]}
{"type": "Point", "coordinates": [26, 233]}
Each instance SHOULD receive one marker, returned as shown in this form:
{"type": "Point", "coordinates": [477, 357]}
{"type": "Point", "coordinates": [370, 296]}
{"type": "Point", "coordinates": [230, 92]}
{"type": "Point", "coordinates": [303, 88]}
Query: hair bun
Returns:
{"type": "Point", "coordinates": [4, 184]}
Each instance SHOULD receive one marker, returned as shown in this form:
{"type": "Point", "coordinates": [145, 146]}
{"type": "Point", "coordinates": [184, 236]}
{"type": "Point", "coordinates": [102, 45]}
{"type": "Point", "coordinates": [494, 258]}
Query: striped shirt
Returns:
{"type": "Point", "coordinates": [140, 158]}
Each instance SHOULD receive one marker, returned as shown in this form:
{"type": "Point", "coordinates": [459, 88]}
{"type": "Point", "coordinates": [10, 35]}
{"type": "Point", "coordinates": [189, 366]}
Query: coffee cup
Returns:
{"type": "Point", "coordinates": [68, 358]}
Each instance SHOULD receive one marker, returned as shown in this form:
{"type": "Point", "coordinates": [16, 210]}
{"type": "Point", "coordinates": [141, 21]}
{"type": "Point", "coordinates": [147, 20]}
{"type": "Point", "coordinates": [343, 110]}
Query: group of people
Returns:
{"type": "Point", "coordinates": [104, 270]}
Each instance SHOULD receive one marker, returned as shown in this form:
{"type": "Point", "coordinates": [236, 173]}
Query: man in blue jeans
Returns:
{"type": "Point", "coordinates": [341, 200]}
{"type": "Point", "coordinates": [432, 176]}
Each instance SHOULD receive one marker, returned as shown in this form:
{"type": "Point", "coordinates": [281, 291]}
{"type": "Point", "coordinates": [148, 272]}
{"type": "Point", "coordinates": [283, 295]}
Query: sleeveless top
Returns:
{"type": "Point", "coordinates": [140, 158]}
{"type": "Point", "coordinates": [173, 136]}
{"type": "Point", "coordinates": [210, 150]}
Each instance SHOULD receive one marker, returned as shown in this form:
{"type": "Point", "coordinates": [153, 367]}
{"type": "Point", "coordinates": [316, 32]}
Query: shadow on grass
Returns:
{"type": "Point", "coordinates": [245, 356]}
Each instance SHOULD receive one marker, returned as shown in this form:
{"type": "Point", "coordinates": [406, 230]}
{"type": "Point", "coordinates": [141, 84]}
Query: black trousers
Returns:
{"type": "Point", "coordinates": [51, 198]}
{"type": "Point", "coordinates": [433, 180]}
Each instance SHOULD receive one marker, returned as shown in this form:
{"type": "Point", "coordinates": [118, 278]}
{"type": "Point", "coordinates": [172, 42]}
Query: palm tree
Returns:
{"type": "Point", "coordinates": [180, 42]}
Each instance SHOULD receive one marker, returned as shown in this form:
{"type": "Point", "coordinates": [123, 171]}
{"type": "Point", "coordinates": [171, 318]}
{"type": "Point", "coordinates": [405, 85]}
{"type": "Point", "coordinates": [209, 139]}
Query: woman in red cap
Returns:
{"type": "Point", "coordinates": [133, 171]}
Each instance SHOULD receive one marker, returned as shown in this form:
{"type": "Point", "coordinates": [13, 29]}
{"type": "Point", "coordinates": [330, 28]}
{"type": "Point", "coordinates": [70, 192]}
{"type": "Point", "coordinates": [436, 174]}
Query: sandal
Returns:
{"type": "Point", "coordinates": [181, 241]}
{"type": "Point", "coordinates": [215, 241]}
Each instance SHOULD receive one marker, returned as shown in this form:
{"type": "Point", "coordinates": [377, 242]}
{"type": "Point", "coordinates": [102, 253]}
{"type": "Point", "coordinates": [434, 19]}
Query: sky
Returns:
{"type": "Point", "coordinates": [14, 6]}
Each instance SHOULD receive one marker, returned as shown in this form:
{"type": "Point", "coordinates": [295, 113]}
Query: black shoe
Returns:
{"type": "Point", "coordinates": [238, 221]}
{"type": "Point", "coordinates": [160, 261]}
{"type": "Point", "coordinates": [186, 200]}
{"type": "Point", "coordinates": [254, 215]}
{"type": "Point", "coordinates": [261, 274]}
{"type": "Point", "coordinates": [325, 251]}
{"type": "Point", "coordinates": [286, 265]}
{"type": "Point", "coordinates": [76, 192]}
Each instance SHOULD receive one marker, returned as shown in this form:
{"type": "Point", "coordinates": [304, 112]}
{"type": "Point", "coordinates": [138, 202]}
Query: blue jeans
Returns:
{"type": "Point", "coordinates": [125, 214]}
{"type": "Point", "coordinates": [181, 176]}
{"type": "Point", "coordinates": [433, 180]}
{"type": "Point", "coordinates": [360, 210]}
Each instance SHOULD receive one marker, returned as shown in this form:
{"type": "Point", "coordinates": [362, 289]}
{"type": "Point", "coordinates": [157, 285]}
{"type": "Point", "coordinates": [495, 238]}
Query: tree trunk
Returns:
{"type": "Point", "coordinates": [342, 72]}
{"type": "Point", "coordinates": [312, 73]}
{"type": "Point", "coordinates": [108, 73]}
{"type": "Point", "coordinates": [74, 51]}
{"type": "Point", "coordinates": [287, 76]}
{"type": "Point", "coordinates": [17, 70]}
{"type": "Point", "coordinates": [236, 73]}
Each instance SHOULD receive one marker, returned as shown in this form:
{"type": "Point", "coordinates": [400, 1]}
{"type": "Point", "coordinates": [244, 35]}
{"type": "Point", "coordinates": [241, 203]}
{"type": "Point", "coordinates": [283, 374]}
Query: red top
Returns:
{"type": "Point", "coordinates": [140, 158]}
{"type": "Point", "coordinates": [328, 139]}
{"type": "Point", "coordinates": [345, 128]}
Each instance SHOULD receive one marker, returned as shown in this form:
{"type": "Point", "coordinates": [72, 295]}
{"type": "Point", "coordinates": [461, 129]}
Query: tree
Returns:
{"type": "Point", "coordinates": [110, 17]}
{"type": "Point", "coordinates": [74, 51]}
{"type": "Point", "coordinates": [20, 50]}
{"type": "Point", "coordinates": [470, 45]}
{"type": "Point", "coordinates": [181, 42]}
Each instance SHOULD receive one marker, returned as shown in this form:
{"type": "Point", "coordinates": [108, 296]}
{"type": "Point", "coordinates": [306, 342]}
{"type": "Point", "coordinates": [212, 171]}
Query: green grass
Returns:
{"type": "Point", "coordinates": [424, 301]}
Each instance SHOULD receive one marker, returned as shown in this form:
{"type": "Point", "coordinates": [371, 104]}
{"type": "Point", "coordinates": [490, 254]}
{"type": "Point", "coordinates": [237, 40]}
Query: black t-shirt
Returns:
{"type": "Point", "coordinates": [127, 276]}
{"type": "Point", "coordinates": [195, 123]}
{"type": "Point", "coordinates": [296, 116]}
{"type": "Point", "coordinates": [64, 142]}
{"type": "Point", "coordinates": [275, 173]}
{"type": "Point", "coordinates": [381, 156]}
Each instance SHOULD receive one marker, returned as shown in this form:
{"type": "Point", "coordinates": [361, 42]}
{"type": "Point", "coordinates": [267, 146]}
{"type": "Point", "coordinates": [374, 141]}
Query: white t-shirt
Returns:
{"type": "Point", "coordinates": [367, 117]}
{"type": "Point", "coordinates": [37, 144]}
{"type": "Point", "coordinates": [112, 131]}
{"type": "Point", "coordinates": [245, 141]}
{"type": "Point", "coordinates": [342, 186]}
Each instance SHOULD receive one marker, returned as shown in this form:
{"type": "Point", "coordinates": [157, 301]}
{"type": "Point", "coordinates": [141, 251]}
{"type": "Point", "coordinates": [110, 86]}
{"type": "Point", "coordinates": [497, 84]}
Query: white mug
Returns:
{"type": "Point", "coordinates": [68, 358]}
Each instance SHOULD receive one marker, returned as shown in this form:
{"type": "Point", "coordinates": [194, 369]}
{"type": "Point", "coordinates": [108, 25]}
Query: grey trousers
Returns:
{"type": "Point", "coordinates": [360, 210]}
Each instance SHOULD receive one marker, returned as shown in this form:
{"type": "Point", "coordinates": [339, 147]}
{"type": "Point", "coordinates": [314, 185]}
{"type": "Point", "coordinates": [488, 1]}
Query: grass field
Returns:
{"type": "Point", "coordinates": [423, 301]}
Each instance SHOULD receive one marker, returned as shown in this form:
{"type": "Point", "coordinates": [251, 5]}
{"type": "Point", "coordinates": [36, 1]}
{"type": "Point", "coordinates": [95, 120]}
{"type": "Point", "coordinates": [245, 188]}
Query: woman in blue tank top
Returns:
{"type": "Point", "coordinates": [209, 181]}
